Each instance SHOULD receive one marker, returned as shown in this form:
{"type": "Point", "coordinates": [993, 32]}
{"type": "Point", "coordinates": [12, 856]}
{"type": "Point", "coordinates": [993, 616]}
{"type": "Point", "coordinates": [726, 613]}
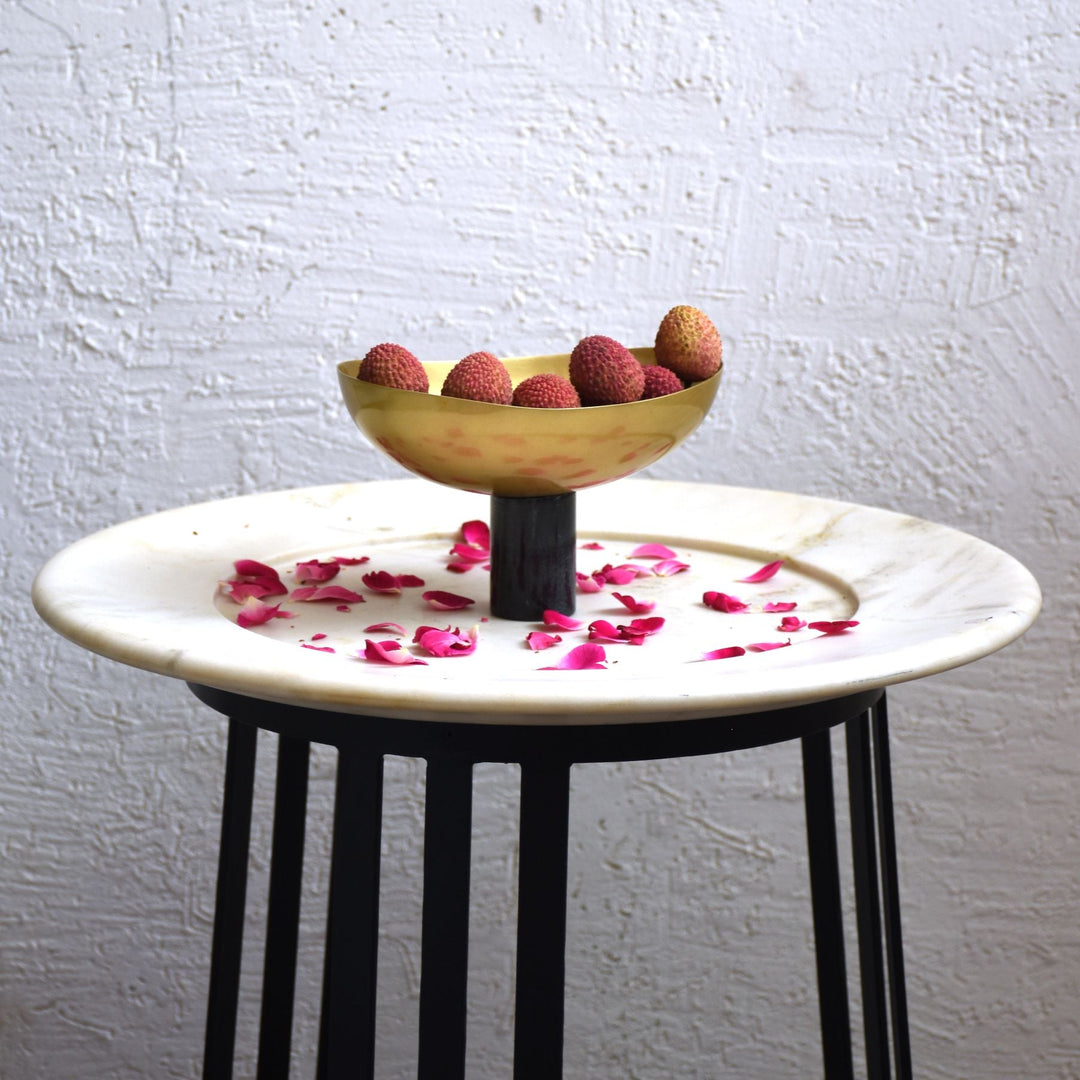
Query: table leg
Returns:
{"type": "Point", "coordinates": [867, 898]}
{"type": "Point", "coordinates": [444, 947]}
{"type": "Point", "coordinates": [228, 936]}
{"type": "Point", "coordinates": [891, 889]}
{"type": "Point", "coordinates": [541, 934]}
{"type": "Point", "coordinates": [283, 910]}
{"type": "Point", "coordinates": [347, 1027]}
{"type": "Point", "coordinates": [825, 899]}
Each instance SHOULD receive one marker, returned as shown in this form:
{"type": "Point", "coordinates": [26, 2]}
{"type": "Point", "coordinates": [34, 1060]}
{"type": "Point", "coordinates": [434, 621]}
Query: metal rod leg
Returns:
{"type": "Point", "coordinates": [283, 911]}
{"type": "Point", "coordinates": [541, 934]}
{"type": "Point", "coordinates": [228, 936]}
{"type": "Point", "coordinates": [445, 939]}
{"type": "Point", "coordinates": [894, 949]}
{"type": "Point", "coordinates": [825, 898]}
{"type": "Point", "coordinates": [867, 898]}
{"type": "Point", "coordinates": [347, 1027]}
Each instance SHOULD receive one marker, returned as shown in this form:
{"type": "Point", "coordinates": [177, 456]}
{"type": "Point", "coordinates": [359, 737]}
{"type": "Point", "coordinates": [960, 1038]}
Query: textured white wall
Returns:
{"type": "Point", "coordinates": [204, 206]}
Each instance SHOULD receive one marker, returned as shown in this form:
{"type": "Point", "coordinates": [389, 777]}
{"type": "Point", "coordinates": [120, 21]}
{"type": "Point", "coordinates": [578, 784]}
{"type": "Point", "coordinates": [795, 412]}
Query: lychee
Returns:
{"type": "Point", "coordinates": [604, 372]}
{"type": "Point", "coordinates": [687, 342]}
{"type": "Point", "coordinates": [660, 381]}
{"type": "Point", "coordinates": [546, 391]}
{"type": "Point", "coordinates": [481, 376]}
{"type": "Point", "coordinates": [393, 365]}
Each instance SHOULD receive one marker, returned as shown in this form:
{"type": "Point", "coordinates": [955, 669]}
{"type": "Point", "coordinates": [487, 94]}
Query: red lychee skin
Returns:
{"type": "Point", "coordinates": [660, 381]}
{"type": "Point", "coordinates": [604, 372]}
{"type": "Point", "coordinates": [546, 391]}
{"type": "Point", "coordinates": [394, 366]}
{"type": "Point", "coordinates": [480, 376]}
{"type": "Point", "coordinates": [688, 343]}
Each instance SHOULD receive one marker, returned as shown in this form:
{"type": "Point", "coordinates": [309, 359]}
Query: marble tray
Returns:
{"type": "Point", "coordinates": [927, 598]}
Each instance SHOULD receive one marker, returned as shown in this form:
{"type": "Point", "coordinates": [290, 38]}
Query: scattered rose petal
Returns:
{"type": "Point", "coordinates": [619, 575]}
{"type": "Point", "coordinates": [790, 623]}
{"type": "Point", "coordinates": [388, 627]}
{"type": "Point", "coordinates": [719, 601]}
{"type": "Point", "coordinates": [837, 627]}
{"type": "Point", "coordinates": [254, 579]}
{"type": "Point", "coordinates": [249, 568]}
{"type": "Point", "coordinates": [317, 637]}
{"type": "Point", "coordinates": [776, 606]}
{"type": "Point", "coordinates": [343, 607]}
{"type": "Point", "coordinates": [255, 612]}
{"type": "Point", "coordinates": [590, 583]}
{"type": "Point", "coordinates": [602, 630]}
{"type": "Point", "coordinates": [560, 621]}
{"type": "Point", "coordinates": [476, 533]}
{"type": "Point", "coordinates": [318, 648]}
{"type": "Point", "coordinates": [470, 554]}
{"type": "Point", "coordinates": [592, 546]}
{"type": "Point", "coordinates": [389, 652]}
{"type": "Point", "coordinates": [768, 646]}
{"type": "Point", "coordinates": [345, 560]}
{"type": "Point", "coordinates": [644, 627]}
{"type": "Point", "coordinates": [723, 654]}
{"type": "Point", "coordinates": [538, 640]}
{"type": "Point", "coordinates": [585, 657]}
{"type": "Point", "coordinates": [313, 570]}
{"type": "Point", "coordinates": [636, 607]}
{"type": "Point", "coordinates": [766, 572]}
{"type": "Point", "coordinates": [314, 593]}
{"type": "Point", "coordinates": [446, 642]}
{"type": "Point", "coordinates": [652, 551]}
{"type": "Point", "coordinates": [380, 581]}
{"type": "Point", "coordinates": [667, 567]}
{"type": "Point", "coordinates": [447, 601]}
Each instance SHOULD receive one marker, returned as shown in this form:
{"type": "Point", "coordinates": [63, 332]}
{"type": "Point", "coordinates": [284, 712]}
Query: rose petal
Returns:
{"type": "Point", "coordinates": [637, 607]}
{"type": "Point", "coordinates": [381, 581]}
{"type": "Point", "coordinates": [837, 627]}
{"type": "Point", "coordinates": [459, 567]}
{"type": "Point", "coordinates": [767, 646]}
{"type": "Point", "coordinates": [537, 640]}
{"type": "Point", "coordinates": [590, 583]}
{"type": "Point", "coordinates": [776, 606]}
{"type": "Point", "coordinates": [477, 533]}
{"type": "Point", "coordinates": [313, 570]}
{"type": "Point", "coordinates": [469, 553]}
{"type": "Point", "coordinates": [719, 601]}
{"type": "Point", "coordinates": [723, 654]}
{"type": "Point", "coordinates": [254, 579]}
{"type": "Point", "coordinates": [343, 607]}
{"type": "Point", "coordinates": [345, 560]}
{"type": "Point", "coordinates": [317, 637]}
{"type": "Point", "coordinates": [239, 591]}
{"type": "Point", "coordinates": [254, 613]}
{"type": "Point", "coordinates": [790, 623]}
{"type": "Point", "coordinates": [644, 626]}
{"type": "Point", "coordinates": [586, 657]}
{"type": "Point", "coordinates": [318, 648]}
{"type": "Point", "coordinates": [446, 642]}
{"type": "Point", "coordinates": [314, 593]}
{"type": "Point", "coordinates": [389, 652]}
{"type": "Point", "coordinates": [667, 567]}
{"type": "Point", "coordinates": [391, 627]}
{"type": "Point", "coordinates": [251, 569]}
{"type": "Point", "coordinates": [619, 575]}
{"type": "Point", "coordinates": [447, 601]}
{"type": "Point", "coordinates": [602, 630]}
{"type": "Point", "coordinates": [592, 546]}
{"type": "Point", "coordinates": [560, 621]}
{"type": "Point", "coordinates": [652, 551]}
{"type": "Point", "coordinates": [766, 572]}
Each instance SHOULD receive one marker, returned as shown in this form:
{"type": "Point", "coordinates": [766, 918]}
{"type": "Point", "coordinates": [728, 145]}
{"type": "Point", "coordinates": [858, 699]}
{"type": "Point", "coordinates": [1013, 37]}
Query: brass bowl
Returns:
{"type": "Point", "coordinates": [508, 450]}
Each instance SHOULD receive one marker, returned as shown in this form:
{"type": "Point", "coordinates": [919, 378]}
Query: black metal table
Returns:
{"type": "Point", "coordinates": [545, 754]}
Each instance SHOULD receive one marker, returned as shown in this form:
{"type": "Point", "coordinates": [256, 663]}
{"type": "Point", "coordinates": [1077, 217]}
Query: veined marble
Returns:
{"type": "Point", "coordinates": [927, 598]}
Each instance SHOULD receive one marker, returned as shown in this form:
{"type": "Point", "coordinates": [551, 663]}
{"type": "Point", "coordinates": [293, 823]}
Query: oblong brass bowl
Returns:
{"type": "Point", "coordinates": [508, 450]}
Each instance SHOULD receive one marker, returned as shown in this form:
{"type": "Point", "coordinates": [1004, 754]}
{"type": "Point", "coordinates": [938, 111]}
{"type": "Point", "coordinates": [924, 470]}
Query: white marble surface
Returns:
{"type": "Point", "coordinates": [927, 598]}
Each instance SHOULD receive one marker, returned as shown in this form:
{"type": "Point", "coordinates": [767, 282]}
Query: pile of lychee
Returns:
{"type": "Point", "coordinates": [602, 372]}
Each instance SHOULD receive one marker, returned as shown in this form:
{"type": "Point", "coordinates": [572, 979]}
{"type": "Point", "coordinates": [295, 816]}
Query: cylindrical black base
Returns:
{"type": "Point", "coordinates": [533, 563]}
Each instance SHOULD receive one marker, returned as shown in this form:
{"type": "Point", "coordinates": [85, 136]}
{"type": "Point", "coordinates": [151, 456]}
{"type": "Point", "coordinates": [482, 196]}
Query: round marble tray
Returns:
{"type": "Point", "coordinates": [926, 599]}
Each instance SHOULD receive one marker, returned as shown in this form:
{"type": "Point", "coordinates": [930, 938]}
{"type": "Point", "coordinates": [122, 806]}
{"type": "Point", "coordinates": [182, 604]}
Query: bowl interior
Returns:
{"type": "Point", "coordinates": [514, 451]}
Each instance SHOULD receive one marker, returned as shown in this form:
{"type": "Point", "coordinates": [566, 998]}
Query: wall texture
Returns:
{"type": "Point", "coordinates": [205, 206]}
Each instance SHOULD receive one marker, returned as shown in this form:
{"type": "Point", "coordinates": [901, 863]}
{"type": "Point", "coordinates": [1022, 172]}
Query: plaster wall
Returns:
{"type": "Point", "coordinates": [205, 206]}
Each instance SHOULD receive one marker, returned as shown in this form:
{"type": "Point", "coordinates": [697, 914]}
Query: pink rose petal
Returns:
{"type": "Point", "coordinates": [389, 652]}
{"type": "Point", "coordinates": [602, 630]}
{"type": "Point", "coordinates": [380, 581]}
{"type": "Point", "coordinates": [313, 570]}
{"type": "Point", "coordinates": [314, 593]}
{"type": "Point", "coordinates": [317, 637]}
{"type": "Point", "coordinates": [254, 579]}
{"type": "Point", "coordinates": [477, 534]}
{"type": "Point", "coordinates": [619, 575]}
{"type": "Point", "coordinates": [667, 567]}
{"type": "Point", "coordinates": [719, 601]}
{"type": "Point", "coordinates": [537, 640]}
{"type": "Point", "coordinates": [560, 621]}
{"type": "Point", "coordinates": [385, 627]}
{"type": "Point", "coordinates": [652, 551]}
{"type": "Point", "coordinates": [255, 612]}
{"type": "Point", "coordinates": [343, 607]}
{"type": "Point", "coordinates": [837, 627]}
{"type": "Point", "coordinates": [592, 546]}
{"type": "Point", "coordinates": [586, 657]}
{"type": "Point", "coordinates": [446, 642]}
{"type": "Point", "coordinates": [345, 560]}
{"type": "Point", "coordinates": [447, 601]}
{"type": "Point", "coordinates": [318, 648]}
{"type": "Point", "coordinates": [768, 646]}
{"type": "Point", "coordinates": [644, 626]}
{"type": "Point", "coordinates": [590, 583]}
{"type": "Point", "coordinates": [790, 623]}
{"type": "Point", "coordinates": [766, 572]}
{"type": "Point", "coordinates": [468, 553]}
{"type": "Point", "coordinates": [636, 607]}
{"type": "Point", "coordinates": [776, 606]}
{"type": "Point", "coordinates": [723, 654]}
